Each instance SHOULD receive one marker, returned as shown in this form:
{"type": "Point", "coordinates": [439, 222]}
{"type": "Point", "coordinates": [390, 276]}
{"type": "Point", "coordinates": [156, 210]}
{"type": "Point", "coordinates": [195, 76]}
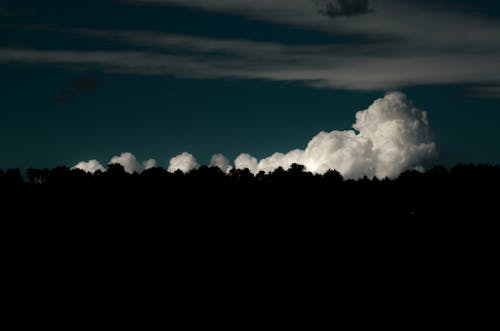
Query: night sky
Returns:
{"type": "Point", "coordinates": [90, 79]}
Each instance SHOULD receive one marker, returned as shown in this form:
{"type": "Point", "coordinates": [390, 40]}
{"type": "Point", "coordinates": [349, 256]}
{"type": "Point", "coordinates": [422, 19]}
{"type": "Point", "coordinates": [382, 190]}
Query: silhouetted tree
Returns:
{"type": "Point", "coordinates": [116, 171]}
{"type": "Point", "coordinates": [37, 176]}
{"type": "Point", "coordinates": [333, 176]}
{"type": "Point", "coordinates": [297, 169]}
{"type": "Point", "coordinates": [13, 177]}
{"type": "Point", "coordinates": [59, 174]}
{"type": "Point", "coordinates": [103, 218]}
{"type": "Point", "coordinates": [241, 175]}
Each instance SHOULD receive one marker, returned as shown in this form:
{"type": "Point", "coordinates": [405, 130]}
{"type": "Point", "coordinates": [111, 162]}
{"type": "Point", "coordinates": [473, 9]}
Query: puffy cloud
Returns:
{"type": "Point", "coordinates": [400, 133]}
{"type": "Point", "coordinates": [393, 136]}
{"type": "Point", "coordinates": [281, 160]}
{"type": "Point", "coordinates": [344, 151]}
{"type": "Point", "coordinates": [89, 166]}
{"type": "Point", "coordinates": [149, 164]}
{"type": "Point", "coordinates": [184, 162]}
{"type": "Point", "coordinates": [128, 161]}
{"type": "Point", "coordinates": [246, 161]}
{"type": "Point", "coordinates": [389, 137]}
{"type": "Point", "coordinates": [220, 161]}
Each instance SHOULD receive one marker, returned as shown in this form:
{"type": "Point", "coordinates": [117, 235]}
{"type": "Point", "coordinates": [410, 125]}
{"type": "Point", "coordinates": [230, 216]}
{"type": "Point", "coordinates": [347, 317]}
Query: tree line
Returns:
{"type": "Point", "coordinates": [67, 218]}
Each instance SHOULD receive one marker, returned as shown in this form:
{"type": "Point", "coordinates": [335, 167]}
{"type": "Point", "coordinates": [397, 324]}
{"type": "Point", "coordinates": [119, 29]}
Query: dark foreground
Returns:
{"type": "Point", "coordinates": [68, 222]}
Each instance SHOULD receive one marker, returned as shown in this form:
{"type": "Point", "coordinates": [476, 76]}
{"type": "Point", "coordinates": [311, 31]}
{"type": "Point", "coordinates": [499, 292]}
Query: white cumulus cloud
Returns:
{"type": "Point", "coordinates": [128, 161]}
{"type": "Point", "coordinates": [344, 151]}
{"type": "Point", "coordinates": [391, 136]}
{"type": "Point", "coordinates": [388, 137]}
{"type": "Point", "coordinates": [281, 160]}
{"type": "Point", "coordinates": [246, 161]}
{"type": "Point", "coordinates": [149, 164]}
{"type": "Point", "coordinates": [220, 161]}
{"type": "Point", "coordinates": [89, 166]}
{"type": "Point", "coordinates": [184, 162]}
{"type": "Point", "coordinates": [401, 135]}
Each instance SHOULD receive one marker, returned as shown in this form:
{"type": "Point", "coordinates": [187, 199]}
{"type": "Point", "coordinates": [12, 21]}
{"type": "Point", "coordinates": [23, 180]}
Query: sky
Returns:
{"type": "Point", "coordinates": [91, 79]}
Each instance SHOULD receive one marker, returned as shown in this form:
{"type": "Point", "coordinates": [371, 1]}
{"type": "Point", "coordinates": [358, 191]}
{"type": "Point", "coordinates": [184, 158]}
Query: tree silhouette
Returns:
{"type": "Point", "coordinates": [333, 176]}
{"type": "Point", "coordinates": [107, 216]}
{"type": "Point", "coordinates": [13, 178]}
{"type": "Point", "coordinates": [116, 170]}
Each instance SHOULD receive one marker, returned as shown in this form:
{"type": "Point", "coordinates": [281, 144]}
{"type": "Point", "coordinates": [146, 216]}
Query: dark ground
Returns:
{"type": "Point", "coordinates": [427, 238]}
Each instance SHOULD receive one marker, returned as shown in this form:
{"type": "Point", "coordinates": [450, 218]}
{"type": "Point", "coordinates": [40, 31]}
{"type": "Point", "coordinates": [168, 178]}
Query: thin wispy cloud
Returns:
{"type": "Point", "coordinates": [410, 25]}
{"type": "Point", "coordinates": [409, 43]}
{"type": "Point", "coordinates": [327, 66]}
{"type": "Point", "coordinates": [389, 18]}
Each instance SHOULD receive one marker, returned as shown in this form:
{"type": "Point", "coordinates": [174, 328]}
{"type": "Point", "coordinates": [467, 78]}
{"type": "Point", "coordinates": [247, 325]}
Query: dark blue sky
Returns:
{"type": "Point", "coordinates": [94, 78]}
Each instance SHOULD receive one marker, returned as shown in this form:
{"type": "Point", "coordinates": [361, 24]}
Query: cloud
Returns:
{"type": "Point", "coordinates": [184, 162]}
{"type": "Point", "coordinates": [389, 137]}
{"type": "Point", "coordinates": [401, 43]}
{"type": "Point", "coordinates": [421, 44]}
{"type": "Point", "coordinates": [392, 136]}
{"type": "Point", "coordinates": [246, 161]}
{"type": "Point", "coordinates": [281, 160]}
{"type": "Point", "coordinates": [344, 151]}
{"type": "Point", "coordinates": [149, 164]}
{"type": "Point", "coordinates": [89, 166]}
{"type": "Point", "coordinates": [128, 161]}
{"type": "Point", "coordinates": [343, 7]}
{"type": "Point", "coordinates": [400, 132]}
{"type": "Point", "coordinates": [389, 18]}
{"type": "Point", "coordinates": [402, 58]}
{"type": "Point", "coordinates": [220, 161]}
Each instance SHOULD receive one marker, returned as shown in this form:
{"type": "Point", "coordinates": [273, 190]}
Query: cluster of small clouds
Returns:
{"type": "Point", "coordinates": [184, 162]}
{"type": "Point", "coordinates": [389, 137]}
{"type": "Point", "coordinates": [89, 166]}
{"type": "Point", "coordinates": [130, 163]}
{"type": "Point", "coordinates": [127, 160]}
